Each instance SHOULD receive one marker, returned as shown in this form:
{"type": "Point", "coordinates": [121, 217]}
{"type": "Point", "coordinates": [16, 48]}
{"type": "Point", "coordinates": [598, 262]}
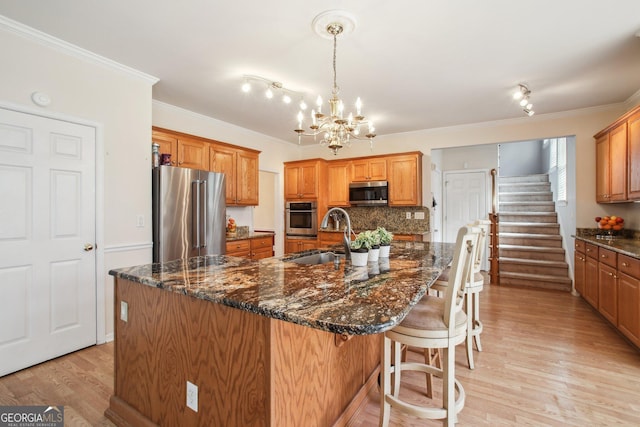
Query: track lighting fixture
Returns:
{"type": "Point", "coordinates": [522, 95]}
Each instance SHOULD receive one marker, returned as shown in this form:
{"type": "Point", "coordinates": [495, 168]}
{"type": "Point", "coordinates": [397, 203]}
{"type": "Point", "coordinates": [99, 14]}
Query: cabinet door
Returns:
{"type": "Point", "coordinates": [378, 169]}
{"type": "Point", "coordinates": [580, 265]}
{"type": "Point", "coordinates": [308, 184]}
{"type": "Point", "coordinates": [168, 144]}
{"type": "Point", "coordinates": [608, 292]}
{"type": "Point", "coordinates": [223, 160]}
{"type": "Point", "coordinates": [618, 163]}
{"type": "Point", "coordinates": [405, 184]}
{"type": "Point", "coordinates": [193, 154]}
{"type": "Point", "coordinates": [291, 179]}
{"type": "Point", "coordinates": [360, 170]}
{"type": "Point", "coordinates": [633, 157]}
{"type": "Point", "coordinates": [247, 181]}
{"type": "Point", "coordinates": [591, 282]}
{"type": "Point", "coordinates": [239, 248]}
{"type": "Point", "coordinates": [338, 177]}
{"type": "Point", "coordinates": [629, 307]}
{"type": "Point", "coordinates": [602, 169]}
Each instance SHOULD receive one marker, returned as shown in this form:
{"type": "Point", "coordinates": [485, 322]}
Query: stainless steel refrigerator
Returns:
{"type": "Point", "coordinates": [189, 211]}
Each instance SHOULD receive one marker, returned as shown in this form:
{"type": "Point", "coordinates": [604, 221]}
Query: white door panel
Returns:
{"type": "Point", "coordinates": [465, 200]}
{"type": "Point", "coordinates": [47, 279]}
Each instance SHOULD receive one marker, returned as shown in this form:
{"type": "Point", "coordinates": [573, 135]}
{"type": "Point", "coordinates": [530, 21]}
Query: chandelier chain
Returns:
{"type": "Point", "coordinates": [335, 78]}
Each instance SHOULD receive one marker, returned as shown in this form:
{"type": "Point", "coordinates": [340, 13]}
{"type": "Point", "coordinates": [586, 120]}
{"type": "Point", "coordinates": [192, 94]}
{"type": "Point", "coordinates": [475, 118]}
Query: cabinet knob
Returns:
{"type": "Point", "coordinates": [624, 264]}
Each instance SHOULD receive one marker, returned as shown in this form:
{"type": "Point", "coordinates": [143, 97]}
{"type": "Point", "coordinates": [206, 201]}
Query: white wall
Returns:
{"type": "Point", "coordinates": [118, 102]}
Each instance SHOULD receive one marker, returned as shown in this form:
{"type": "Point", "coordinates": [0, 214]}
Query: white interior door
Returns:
{"type": "Point", "coordinates": [465, 200]}
{"type": "Point", "coordinates": [47, 234]}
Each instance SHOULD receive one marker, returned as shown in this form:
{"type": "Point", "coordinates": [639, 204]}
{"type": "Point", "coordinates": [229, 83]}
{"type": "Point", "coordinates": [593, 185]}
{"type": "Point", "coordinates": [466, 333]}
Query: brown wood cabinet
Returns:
{"type": "Point", "coordinates": [405, 179]}
{"type": "Point", "coordinates": [168, 144]}
{"type": "Point", "coordinates": [580, 265]}
{"type": "Point", "coordinates": [608, 285]}
{"type": "Point", "coordinates": [301, 179]}
{"type": "Point", "coordinates": [292, 245]}
{"type": "Point", "coordinates": [633, 156]}
{"type": "Point", "coordinates": [591, 273]}
{"type": "Point", "coordinates": [369, 169]}
{"type": "Point", "coordinates": [241, 169]}
{"type": "Point", "coordinates": [240, 165]}
{"type": "Point", "coordinates": [255, 248]}
{"type": "Point", "coordinates": [629, 297]}
{"type": "Point", "coordinates": [338, 174]}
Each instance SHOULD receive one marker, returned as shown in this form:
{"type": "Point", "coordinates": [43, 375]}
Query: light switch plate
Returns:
{"type": "Point", "coordinates": [192, 396]}
{"type": "Point", "coordinates": [408, 215]}
{"type": "Point", "coordinates": [419, 215]}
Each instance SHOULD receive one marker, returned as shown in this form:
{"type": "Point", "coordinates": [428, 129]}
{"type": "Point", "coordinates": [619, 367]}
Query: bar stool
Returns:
{"type": "Point", "coordinates": [433, 323]}
{"type": "Point", "coordinates": [472, 291]}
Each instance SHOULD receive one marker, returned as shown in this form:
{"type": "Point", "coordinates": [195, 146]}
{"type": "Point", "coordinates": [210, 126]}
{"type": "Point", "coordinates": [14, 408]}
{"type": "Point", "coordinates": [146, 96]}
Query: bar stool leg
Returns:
{"type": "Point", "coordinates": [477, 324]}
{"type": "Point", "coordinates": [449, 392]}
{"type": "Point", "coordinates": [385, 383]}
{"type": "Point", "coordinates": [468, 296]}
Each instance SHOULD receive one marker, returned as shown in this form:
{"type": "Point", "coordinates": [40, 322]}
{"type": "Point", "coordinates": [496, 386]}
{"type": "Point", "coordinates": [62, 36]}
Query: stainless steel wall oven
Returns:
{"type": "Point", "coordinates": [301, 219]}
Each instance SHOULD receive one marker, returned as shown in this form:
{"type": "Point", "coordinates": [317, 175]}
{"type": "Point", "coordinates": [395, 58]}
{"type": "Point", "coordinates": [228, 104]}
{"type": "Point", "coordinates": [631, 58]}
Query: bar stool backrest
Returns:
{"type": "Point", "coordinates": [460, 274]}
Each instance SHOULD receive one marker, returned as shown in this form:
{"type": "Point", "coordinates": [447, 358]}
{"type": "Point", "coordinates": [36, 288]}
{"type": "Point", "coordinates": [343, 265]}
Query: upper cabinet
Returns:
{"type": "Point", "coordinates": [193, 153]}
{"type": "Point", "coordinates": [405, 179]}
{"type": "Point", "coordinates": [168, 144]}
{"type": "Point", "coordinates": [618, 160]}
{"type": "Point", "coordinates": [338, 175]}
{"type": "Point", "coordinates": [241, 168]}
{"type": "Point", "coordinates": [301, 179]}
{"type": "Point", "coordinates": [369, 169]}
{"type": "Point", "coordinates": [240, 165]}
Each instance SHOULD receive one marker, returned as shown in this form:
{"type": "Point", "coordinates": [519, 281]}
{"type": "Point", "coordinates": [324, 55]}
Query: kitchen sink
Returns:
{"type": "Point", "coordinates": [321, 258]}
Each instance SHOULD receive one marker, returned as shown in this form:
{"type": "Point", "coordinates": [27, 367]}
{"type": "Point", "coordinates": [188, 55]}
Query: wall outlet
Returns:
{"type": "Point", "coordinates": [408, 215]}
{"type": "Point", "coordinates": [192, 396]}
{"type": "Point", "coordinates": [124, 311]}
{"type": "Point", "coordinates": [419, 215]}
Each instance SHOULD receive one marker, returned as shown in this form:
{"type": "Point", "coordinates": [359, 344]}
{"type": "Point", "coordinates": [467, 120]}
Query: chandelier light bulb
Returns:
{"type": "Point", "coordinates": [286, 99]}
{"type": "Point", "coordinates": [246, 87]}
{"type": "Point", "coordinates": [300, 117]}
{"type": "Point", "coordinates": [358, 106]}
{"type": "Point", "coordinates": [303, 105]}
{"type": "Point", "coordinates": [268, 93]}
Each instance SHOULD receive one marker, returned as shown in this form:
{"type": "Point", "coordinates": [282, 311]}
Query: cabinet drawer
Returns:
{"type": "Point", "coordinates": [629, 266]}
{"type": "Point", "coordinates": [608, 257]}
{"type": "Point", "coordinates": [238, 246]}
{"type": "Point", "coordinates": [591, 250]}
{"type": "Point", "coordinates": [580, 245]}
{"type": "Point", "coordinates": [262, 242]}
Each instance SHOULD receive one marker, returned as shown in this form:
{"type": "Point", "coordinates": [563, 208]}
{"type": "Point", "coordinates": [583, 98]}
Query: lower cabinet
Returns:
{"type": "Point", "coordinates": [610, 282]}
{"type": "Point", "coordinates": [299, 245]}
{"type": "Point", "coordinates": [256, 248]}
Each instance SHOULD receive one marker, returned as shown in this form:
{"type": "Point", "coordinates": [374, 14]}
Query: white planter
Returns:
{"type": "Point", "coordinates": [374, 254]}
{"type": "Point", "coordinates": [384, 251]}
{"type": "Point", "coordinates": [359, 259]}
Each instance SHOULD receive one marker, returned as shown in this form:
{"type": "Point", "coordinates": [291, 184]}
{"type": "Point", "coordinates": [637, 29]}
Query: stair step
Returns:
{"type": "Point", "coordinates": [525, 187]}
{"type": "Point", "coordinates": [534, 266]}
{"type": "Point", "coordinates": [528, 217]}
{"type": "Point", "coordinates": [532, 252]}
{"type": "Point", "coordinates": [535, 281]}
{"type": "Point", "coordinates": [530, 227]}
{"type": "Point", "coordinates": [537, 196]}
{"type": "Point", "coordinates": [543, 177]}
{"type": "Point", "coordinates": [524, 239]}
{"type": "Point", "coordinates": [527, 206]}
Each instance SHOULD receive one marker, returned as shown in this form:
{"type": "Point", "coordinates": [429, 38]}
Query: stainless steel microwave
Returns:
{"type": "Point", "coordinates": [370, 193]}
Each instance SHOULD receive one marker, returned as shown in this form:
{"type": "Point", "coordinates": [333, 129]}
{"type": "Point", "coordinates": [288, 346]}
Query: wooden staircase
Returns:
{"type": "Point", "coordinates": [529, 240]}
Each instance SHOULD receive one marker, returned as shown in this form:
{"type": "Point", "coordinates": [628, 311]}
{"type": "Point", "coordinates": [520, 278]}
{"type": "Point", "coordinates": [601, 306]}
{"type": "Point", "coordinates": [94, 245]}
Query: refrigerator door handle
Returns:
{"type": "Point", "coordinates": [203, 206]}
{"type": "Point", "coordinates": [195, 214]}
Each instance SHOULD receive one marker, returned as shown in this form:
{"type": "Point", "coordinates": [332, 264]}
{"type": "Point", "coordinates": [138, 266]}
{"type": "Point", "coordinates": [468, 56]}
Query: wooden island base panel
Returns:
{"type": "Point", "coordinates": [267, 342]}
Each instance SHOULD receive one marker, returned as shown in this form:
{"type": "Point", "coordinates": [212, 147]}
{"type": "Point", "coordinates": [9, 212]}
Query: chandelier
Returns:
{"type": "Point", "coordinates": [336, 127]}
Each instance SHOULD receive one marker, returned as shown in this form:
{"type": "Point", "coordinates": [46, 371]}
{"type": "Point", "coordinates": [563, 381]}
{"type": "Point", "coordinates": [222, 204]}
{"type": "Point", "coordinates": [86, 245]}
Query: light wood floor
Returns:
{"type": "Point", "coordinates": [548, 359]}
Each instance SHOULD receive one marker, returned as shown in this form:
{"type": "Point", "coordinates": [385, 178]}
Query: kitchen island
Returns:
{"type": "Point", "coordinates": [268, 342]}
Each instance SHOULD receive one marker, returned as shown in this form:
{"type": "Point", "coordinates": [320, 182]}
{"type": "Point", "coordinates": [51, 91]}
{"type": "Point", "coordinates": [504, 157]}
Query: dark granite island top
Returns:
{"type": "Point", "coordinates": [346, 300]}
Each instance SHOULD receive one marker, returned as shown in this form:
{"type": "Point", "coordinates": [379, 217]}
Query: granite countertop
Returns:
{"type": "Point", "coordinates": [352, 300]}
{"type": "Point", "coordinates": [624, 245]}
{"type": "Point", "coordinates": [247, 235]}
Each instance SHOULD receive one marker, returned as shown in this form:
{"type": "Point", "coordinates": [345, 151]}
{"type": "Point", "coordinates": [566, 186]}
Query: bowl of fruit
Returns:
{"type": "Point", "coordinates": [610, 223]}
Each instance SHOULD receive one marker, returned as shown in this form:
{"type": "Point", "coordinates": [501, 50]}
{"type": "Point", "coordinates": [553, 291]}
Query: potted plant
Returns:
{"type": "Point", "coordinates": [360, 249]}
{"type": "Point", "coordinates": [374, 248]}
{"type": "Point", "coordinates": [385, 241]}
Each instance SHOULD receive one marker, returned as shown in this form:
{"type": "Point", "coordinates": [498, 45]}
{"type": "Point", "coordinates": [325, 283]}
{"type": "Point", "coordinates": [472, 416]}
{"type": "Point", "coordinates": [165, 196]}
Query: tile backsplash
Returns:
{"type": "Point", "coordinates": [393, 219]}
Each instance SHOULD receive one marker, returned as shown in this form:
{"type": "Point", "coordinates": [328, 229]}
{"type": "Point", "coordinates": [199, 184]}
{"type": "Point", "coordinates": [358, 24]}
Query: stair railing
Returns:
{"type": "Point", "coordinates": [494, 272]}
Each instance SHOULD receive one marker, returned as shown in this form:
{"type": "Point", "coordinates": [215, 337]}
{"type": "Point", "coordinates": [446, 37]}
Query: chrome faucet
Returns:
{"type": "Point", "coordinates": [346, 237]}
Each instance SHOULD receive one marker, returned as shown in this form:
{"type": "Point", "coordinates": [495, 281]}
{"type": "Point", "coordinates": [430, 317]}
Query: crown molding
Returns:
{"type": "Point", "coordinates": [45, 39]}
{"type": "Point", "coordinates": [633, 100]}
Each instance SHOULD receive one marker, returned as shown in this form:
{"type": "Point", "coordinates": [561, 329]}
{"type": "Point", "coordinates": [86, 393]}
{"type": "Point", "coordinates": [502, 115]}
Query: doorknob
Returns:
{"type": "Point", "coordinates": [88, 247]}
